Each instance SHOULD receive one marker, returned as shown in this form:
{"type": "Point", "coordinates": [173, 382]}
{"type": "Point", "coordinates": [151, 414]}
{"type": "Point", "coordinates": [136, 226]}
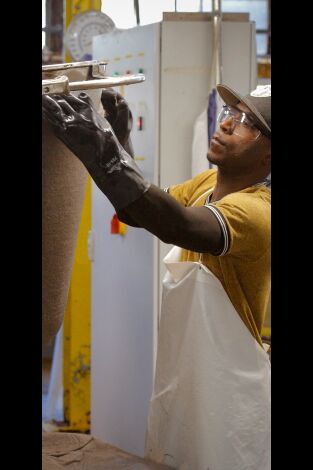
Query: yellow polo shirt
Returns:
{"type": "Point", "coordinates": [243, 268]}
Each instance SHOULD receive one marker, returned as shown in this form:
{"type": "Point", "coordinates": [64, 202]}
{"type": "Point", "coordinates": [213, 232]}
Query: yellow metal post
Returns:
{"type": "Point", "coordinates": [77, 331]}
{"type": "Point", "coordinates": [73, 7]}
{"type": "Point", "coordinates": [77, 320]}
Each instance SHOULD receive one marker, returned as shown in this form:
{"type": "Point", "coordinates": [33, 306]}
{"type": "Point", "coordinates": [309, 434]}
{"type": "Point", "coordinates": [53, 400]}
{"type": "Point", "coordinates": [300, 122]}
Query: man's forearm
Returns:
{"type": "Point", "coordinates": [125, 217]}
{"type": "Point", "coordinates": [193, 228]}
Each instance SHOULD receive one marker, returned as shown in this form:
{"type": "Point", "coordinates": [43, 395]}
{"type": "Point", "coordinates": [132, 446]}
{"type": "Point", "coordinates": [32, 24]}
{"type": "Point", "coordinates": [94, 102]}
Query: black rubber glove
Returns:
{"type": "Point", "coordinates": [117, 112]}
{"type": "Point", "coordinates": [91, 138]}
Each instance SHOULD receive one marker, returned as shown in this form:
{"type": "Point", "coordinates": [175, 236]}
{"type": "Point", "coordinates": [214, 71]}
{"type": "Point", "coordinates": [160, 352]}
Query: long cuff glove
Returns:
{"type": "Point", "coordinates": [91, 138]}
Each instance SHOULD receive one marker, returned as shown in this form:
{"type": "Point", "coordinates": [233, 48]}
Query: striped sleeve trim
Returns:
{"type": "Point", "coordinates": [223, 226]}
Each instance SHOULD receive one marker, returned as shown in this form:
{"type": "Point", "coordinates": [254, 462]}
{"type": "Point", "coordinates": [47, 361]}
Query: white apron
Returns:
{"type": "Point", "coordinates": [210, 408]}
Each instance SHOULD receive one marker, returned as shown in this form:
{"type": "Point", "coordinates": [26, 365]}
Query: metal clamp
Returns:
{"type": "Point", "coordinates": [58, 85]}
{"type": "Point", "coordinates": [63, 85]}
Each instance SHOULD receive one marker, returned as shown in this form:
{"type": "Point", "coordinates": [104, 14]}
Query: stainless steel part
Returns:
{"type": "Point", "coordinates": [63, 85]}
{"type": "Point", "coordinates": [55, 85]}
{"type": "Point", "coordinates": [217, 67]}
{"type": "Point", "coordinates": [88, 69]}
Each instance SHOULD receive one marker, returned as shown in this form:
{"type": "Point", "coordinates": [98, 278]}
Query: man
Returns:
{"type": "Point", "coordinates": [210, 356]}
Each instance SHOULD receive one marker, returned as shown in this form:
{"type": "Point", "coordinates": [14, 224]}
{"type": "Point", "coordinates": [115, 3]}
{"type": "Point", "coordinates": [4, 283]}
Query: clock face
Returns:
{"type": "Point", "coordinates": [78, 37]}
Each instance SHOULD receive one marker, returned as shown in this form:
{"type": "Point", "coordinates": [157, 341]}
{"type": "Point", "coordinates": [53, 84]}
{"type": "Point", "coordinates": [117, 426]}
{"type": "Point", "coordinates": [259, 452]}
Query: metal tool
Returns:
{"type": "Point", "coordinates": [59, 78]}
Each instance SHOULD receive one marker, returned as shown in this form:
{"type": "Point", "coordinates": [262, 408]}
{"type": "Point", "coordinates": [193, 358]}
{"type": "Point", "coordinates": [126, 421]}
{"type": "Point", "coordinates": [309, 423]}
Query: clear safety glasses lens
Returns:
{"type": "Point", "coordinates": [240, 124]}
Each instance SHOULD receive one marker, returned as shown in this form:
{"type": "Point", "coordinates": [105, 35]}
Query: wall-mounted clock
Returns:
{"type": "Point", "coordinates": [79, 34]}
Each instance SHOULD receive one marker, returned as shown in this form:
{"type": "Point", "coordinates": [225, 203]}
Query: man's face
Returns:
{"type": "Point", "coordinates": [237, 153]}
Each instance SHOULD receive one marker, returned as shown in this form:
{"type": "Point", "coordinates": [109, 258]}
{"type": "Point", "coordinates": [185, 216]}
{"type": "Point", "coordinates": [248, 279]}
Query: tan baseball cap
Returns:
{"type": "Point", "coordinates": [258, 101]}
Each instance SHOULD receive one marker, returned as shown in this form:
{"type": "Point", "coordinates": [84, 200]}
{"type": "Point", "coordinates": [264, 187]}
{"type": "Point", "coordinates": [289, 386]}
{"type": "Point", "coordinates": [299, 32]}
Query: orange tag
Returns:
{"type": "Point", "coordinates": [118, 227]}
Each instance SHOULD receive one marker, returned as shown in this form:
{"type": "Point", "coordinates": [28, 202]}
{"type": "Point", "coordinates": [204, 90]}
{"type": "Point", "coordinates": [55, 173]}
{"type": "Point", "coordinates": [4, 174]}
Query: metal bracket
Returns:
{"type": "Point", "coordinates": [56, 85]}
{"type": "Point", "coordinates": [61, 85]}
{"type": "Point", "coordinates": [98, 70]}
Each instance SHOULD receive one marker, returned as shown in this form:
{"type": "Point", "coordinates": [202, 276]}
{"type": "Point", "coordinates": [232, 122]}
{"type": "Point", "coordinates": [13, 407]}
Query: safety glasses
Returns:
{"type": "Point", "coordinates": [239, 122]}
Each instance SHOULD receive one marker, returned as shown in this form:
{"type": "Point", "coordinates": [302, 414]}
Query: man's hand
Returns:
{"type": "Point", "coordinates": [87, 134]}
{"type": "Point", "coordinates": [117, 112]}
{"type": "Point", "coordinates": [90, 137]}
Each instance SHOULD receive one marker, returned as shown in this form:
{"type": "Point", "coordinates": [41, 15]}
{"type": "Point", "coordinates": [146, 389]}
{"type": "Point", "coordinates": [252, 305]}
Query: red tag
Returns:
{"type": "Point", "coordinates": [114, 224]}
